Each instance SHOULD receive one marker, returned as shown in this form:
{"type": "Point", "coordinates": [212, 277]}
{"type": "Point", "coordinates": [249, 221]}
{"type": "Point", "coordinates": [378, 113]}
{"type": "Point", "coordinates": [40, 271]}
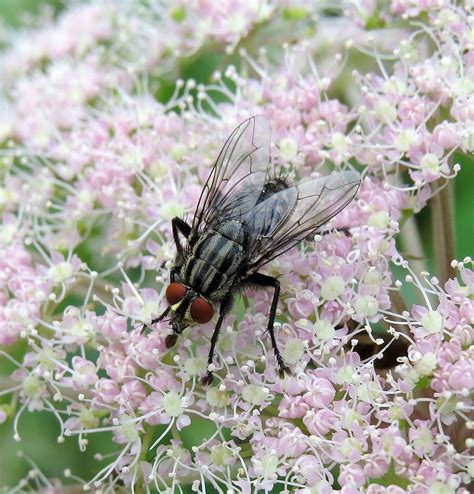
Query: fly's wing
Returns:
{"type": "Point", "coordinates": [237, 178]}
{"type": "Point", "coordinates": [289, 216]}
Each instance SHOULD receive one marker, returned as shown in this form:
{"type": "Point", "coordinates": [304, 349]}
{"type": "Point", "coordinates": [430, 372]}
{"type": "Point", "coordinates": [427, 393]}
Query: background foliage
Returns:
{"type": "Point", "coordinates": [39, 429]}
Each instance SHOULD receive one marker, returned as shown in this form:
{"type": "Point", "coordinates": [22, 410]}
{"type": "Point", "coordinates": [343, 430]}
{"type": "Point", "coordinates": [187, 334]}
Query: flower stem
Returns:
{"type": "Point", "coordinates": [412, 244]}
{"type": "Point", "coordinates": [442, 206]}
{"type": "Point", "coordinates": [147, 437]}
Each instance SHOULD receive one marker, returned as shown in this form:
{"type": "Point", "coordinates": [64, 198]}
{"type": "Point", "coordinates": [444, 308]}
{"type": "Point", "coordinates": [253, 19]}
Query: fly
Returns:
{"type": "Point", "coordinates": [245, 218]}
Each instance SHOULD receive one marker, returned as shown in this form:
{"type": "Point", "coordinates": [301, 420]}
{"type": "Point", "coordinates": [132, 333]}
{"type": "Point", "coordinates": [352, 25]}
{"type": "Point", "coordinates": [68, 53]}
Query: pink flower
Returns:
{"type": "Point", "coordinates": [98, 153]}
{"type": "Point", "coordinates": [457, 377]}
{"type": "Point", "coordinates": [310, 468]}
{"type": "Point", "coordinates": [320, 393]}
{"type": "Point", "coordinates": [84, 374]}
{"type": "Point", "coordinates": [106, 391]}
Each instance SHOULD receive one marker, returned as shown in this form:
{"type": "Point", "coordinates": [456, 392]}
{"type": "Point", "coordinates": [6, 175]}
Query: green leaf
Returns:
{"type": "Point", "coordinates": [423, 383]}
{"type": "Point", "coordinates": [374, 22]}
{"type": "Point", "coordinates": [178, 14]}
{"type": "Point", "coordinates": [294, 13]}
{"type": "Point", "coordinates": [391, 478]}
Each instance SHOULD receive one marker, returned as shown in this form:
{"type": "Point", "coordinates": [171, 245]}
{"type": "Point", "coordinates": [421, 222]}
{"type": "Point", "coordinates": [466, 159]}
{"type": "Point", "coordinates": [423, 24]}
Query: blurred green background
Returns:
{"type": "Point", "coordinates": [39, 430]}
{"type": "Point", "coordinates": [12, 11]}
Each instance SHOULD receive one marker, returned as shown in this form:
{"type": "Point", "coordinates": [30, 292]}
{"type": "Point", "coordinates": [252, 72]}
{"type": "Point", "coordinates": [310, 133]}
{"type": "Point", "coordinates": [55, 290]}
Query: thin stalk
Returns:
{"type": "Point", "coordinates": [398, 303]}
{"type": "Point", "coordinates": [146, 441]}
{"type": "Point", "coordinates": [442, 206]}
{"type": "Point", "coordinates": [413, 247]}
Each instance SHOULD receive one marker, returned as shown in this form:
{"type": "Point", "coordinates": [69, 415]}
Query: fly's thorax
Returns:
{"type": "Point", "coordinates": [232, 230]}
{"type": "Point", "coordinates": [272, 187]}
{"type": "Point", "coordinates": [215, 260]}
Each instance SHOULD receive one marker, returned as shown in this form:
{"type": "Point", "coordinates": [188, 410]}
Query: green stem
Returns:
{"type": "Point", "coordinates": [398, 303]}
{"type": "Point", "coordinates": [175, 433]}
{"type": "Point", "coordinates": [447, 199]}
{"type": "Point", "coordinates": [146, 441]}
{"type": "Point", "coordinates": [272, 411]}
{"type": "Point", "coordinates": [442, 206]}
{"type": "Point", "coordinates": [148, 436]}
{"type": "Point", "coordinates": [413, 245]}
{"type": "Point", "coordinates": [246, 450]}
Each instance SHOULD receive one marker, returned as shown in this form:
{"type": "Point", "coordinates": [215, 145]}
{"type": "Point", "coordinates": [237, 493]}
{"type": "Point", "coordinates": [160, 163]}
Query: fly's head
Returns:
{"type": "Point", "coordinates": [188, 308]}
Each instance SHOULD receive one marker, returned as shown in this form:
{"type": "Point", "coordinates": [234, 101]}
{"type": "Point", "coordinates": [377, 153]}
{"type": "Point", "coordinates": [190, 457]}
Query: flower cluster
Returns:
{"type": "Point", "coordinates": [95, 163]}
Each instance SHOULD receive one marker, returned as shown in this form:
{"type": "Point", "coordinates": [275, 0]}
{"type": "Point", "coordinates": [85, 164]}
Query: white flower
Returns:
{"type": "Point", "coordinates": [255, 395]}
{"type": "Point", "coordinates": [366, 306]}
{"type": "Point", "coordinates": [430, 163]}
{"type": "Point", "coordinates": [288, 149]}
{"type": "Point", "coordinates": [217, 398]}
{"type": "Point", "coordinates": [379, 219]}
{"type": "Point", "coordinates": [61, 272]}
{"type": "Point", "coordinates": [324, 330]}
{"type": "Point", "coordinates": [332, 288]}
{"type": "Point", "coordinates": [432, 321]}
{"type": "Point", "coordinates": [173, 404]}
{"type": "Point", "coordinates": [293, 351]}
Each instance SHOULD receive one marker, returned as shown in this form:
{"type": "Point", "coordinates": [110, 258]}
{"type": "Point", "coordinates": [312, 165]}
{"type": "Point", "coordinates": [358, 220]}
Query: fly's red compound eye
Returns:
{"type": "Point", "coordinates": [175, 293]}
{"type": "Point", "coordinates": [201, 310]}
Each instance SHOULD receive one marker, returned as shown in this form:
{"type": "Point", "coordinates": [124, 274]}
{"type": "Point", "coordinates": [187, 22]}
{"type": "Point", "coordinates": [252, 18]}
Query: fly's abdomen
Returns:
{"type": "Point", "coordinates": [215, 259]}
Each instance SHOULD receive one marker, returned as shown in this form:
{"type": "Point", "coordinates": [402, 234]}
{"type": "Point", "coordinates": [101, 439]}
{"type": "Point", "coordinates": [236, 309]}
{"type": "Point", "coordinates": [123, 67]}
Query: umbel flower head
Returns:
{"type": "Point", "coordinates": [106, 136]}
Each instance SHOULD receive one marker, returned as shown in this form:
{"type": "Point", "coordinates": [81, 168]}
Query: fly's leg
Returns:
{"type": "Point", "coordinates": [170, 339]}
{"type": "Point", "coordinates": [209, 378]}
{"type": "Point", "coordinates": [344, 229]}
{"type": "Point", "coordinates": [267, 281]}
{"type": "Point", "coordinates": [173, 272]}
{"type": "Point", "coordinates": [165, 312]}
{"type": "Point", "coordinates": [180, 226]}
{"type": "Point", "coordinates": [157, 319]}
{"type": "Point", "coordinates": [225, 307]}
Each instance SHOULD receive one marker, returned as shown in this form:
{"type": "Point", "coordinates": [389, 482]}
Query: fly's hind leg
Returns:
{"type": "Point", "coordinates": [267, 281]}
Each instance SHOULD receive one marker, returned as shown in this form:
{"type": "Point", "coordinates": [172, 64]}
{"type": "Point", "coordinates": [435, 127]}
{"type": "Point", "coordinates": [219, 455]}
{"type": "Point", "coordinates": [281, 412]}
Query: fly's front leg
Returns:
{"type": "Point", "coordinates": [180, 226]}
{"type": "Point", "coordinates": [156, 320]}
{"type": "Point", "coordinates": [164, 313]}
{"type": "Point", "coordinates": [267, 281]}
{"type": "Point", "coordinates": [209, 378]}
{"type": "Point", "coordinates": [224, 309]}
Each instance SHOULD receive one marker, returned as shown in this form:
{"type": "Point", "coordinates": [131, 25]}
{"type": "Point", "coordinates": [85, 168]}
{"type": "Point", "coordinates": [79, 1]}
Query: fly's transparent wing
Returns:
{"type": "Point", "coordinates": [262, 220]}
{"type": "Point", "coordinates": [289, 216]}
{"type": "Point", "coordinates": [237, 178]}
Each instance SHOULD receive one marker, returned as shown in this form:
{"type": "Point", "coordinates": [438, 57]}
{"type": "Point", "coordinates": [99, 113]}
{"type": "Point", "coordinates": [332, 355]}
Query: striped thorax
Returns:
{"type": "Point", "coordinates": [215, 259]}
